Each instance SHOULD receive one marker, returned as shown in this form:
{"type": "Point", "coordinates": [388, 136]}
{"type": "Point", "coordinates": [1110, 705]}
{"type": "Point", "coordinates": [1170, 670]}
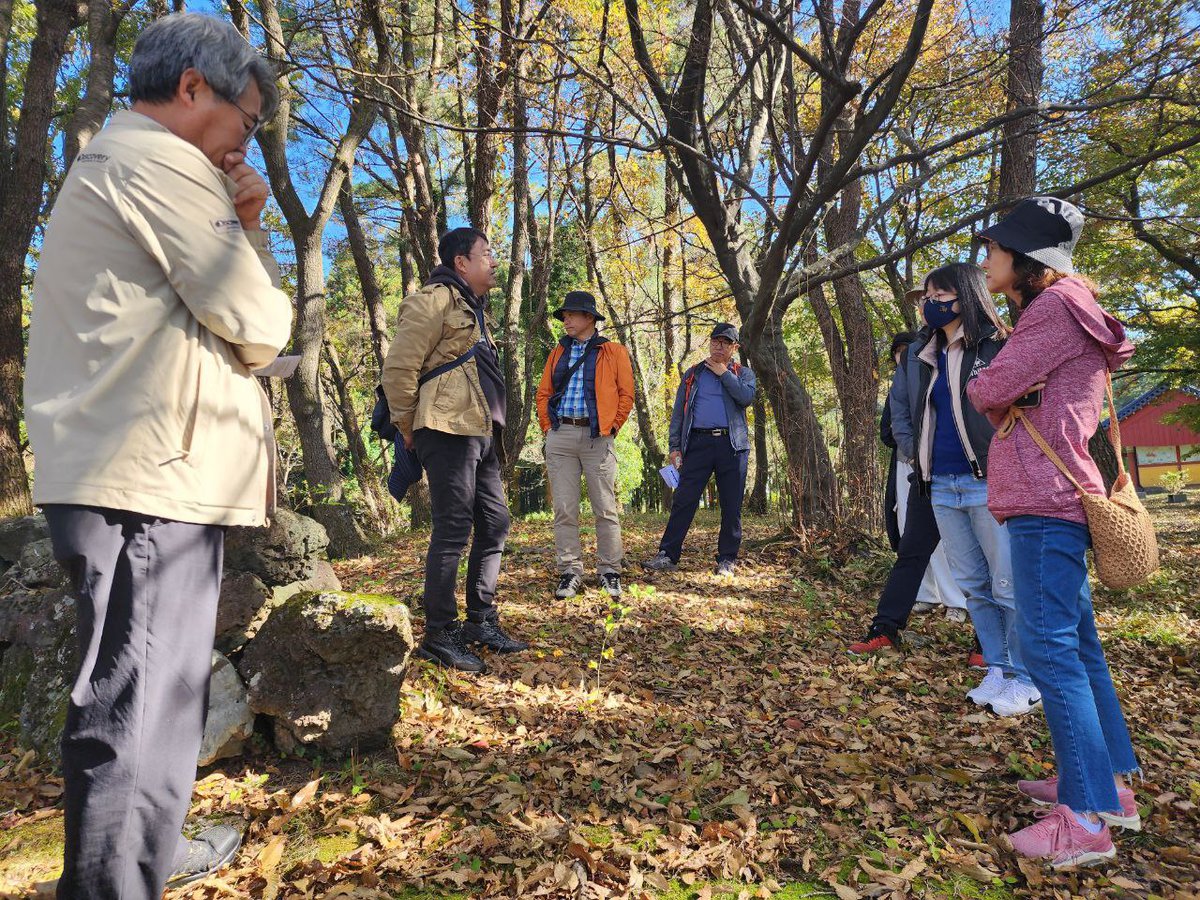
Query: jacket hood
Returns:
{"type": "Point", "coordinates": [1102, 327]}
{"type": "Point", "coordinates": [446, 275]}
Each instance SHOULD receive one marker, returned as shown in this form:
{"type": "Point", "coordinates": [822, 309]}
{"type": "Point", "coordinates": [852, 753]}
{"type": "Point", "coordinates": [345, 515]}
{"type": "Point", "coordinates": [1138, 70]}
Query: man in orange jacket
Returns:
{"type": "Point", "coordinates": [584, 398]}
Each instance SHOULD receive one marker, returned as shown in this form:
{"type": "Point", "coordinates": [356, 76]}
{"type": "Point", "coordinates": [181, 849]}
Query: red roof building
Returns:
{"type": "Point", "coordinates": [1154, 447]}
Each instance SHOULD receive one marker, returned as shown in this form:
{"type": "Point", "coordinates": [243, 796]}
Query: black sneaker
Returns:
{"type": "Point", "coordinates": [569, 584]}
{"type": "Point", "coordinates": [447, 648]}
{"type": "Point", "coordinates": [209, 851]}
{"type": "Point", "coordinates": [726, 568]}
{"type": "Point", "coordinates": [491, 635]}
{"type": "Point", "coordinates": [611, 582]}
{"type": "Point", "coordinates": [660, 563]}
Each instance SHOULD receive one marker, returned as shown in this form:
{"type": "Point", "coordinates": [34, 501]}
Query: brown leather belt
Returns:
{"type": "Point", "coordinates": [570, 420]}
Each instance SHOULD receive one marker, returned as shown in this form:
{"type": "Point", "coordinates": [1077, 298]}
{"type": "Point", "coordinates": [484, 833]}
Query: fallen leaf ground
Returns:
{"type": "Point", "coordinates": [709, 740]}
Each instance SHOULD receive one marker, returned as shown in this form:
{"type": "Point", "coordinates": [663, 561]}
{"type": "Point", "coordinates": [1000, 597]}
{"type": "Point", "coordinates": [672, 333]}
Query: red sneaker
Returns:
{"type": "Point", "coordinates": [975, 661]}
{"type": "Point", "coordinates": [876, 644]}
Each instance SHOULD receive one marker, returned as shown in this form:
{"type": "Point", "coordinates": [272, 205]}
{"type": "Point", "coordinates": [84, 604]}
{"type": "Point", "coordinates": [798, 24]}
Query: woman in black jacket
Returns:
{"type": "Point", "coordinates": [947, 441]}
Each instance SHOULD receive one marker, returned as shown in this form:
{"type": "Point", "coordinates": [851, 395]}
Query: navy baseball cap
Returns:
{"type": "Point", "coordinates": [725, 330]}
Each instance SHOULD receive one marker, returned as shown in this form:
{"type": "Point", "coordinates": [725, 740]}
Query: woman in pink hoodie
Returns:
{"type": "Point", "coordinates": [1055, 367]}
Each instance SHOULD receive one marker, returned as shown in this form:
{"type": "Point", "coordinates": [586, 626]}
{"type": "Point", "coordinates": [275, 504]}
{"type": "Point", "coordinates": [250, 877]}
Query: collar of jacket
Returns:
{"type": "Point", "coordinates": [929, 357]}
{"type": "Point", "coordinates": [595, 341]}
{"type": "Point", "coordinates": [446, 275]}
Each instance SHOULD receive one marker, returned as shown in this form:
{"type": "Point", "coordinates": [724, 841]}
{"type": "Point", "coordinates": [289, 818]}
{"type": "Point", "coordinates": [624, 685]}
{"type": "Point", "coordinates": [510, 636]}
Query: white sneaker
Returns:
{"type": "Point", "coordinates": [991, 686]}
{"type": "Point", "coordinates": [1015, 699]}
{"type": "Point", "coordinates": [922, 607]}
{"type": "Point", "coordinates": [956, 615]}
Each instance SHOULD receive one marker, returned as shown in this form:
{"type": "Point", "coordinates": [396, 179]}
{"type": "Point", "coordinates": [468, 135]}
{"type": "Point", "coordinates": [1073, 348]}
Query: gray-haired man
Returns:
{"type": "Point", "coordinates": [155, 300]}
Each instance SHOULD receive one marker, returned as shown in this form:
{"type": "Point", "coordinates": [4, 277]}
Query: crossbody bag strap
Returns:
{"type": "Point", "coordinates": [1114, 429]}
{"type": "Point", "coordinates": [446, 367]}
{"type": "Point", "coordinates": [574, 367]}
{"type": "Point", "coordinates": [1046, 448]}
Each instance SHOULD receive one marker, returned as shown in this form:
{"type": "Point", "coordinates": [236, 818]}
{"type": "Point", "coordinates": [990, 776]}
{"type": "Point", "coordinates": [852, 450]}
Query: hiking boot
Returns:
{"type": "Point", "coordinates": [660, 563]}
{"type": "Point", "coordinates": [569, 584]}
{"type": "Point", "coordinates": [1015, 699]}
{"type": "Point", "coordinates": [991, 686]}
{"type": "Point", "coordinates": [868, 645]}
{"type": "Point", "coordinates": [447, 648]}
{"type": "Point", "coordinates": [491, 635]}
{"type": "Point", "coordinates": [208, 852]}
{"type": "Point", "coordinates": [611, 582]}
{"type": "Point", "coordinates": [1059, 837]}
{"type": "Point", "coordinates": [726, 568]}
{"type": "Point", "coordinates": [956, 615]}
{"type": "Point", "coordinates": [922, 607]}
{"type": "Point", "coordinates": [1045, 793]}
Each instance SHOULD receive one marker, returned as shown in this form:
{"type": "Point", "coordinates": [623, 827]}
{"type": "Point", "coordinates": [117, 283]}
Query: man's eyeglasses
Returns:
{"type": "Point", "coordinates": [254, 127]}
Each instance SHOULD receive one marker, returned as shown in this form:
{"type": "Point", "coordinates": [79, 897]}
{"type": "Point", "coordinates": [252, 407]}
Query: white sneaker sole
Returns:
{"type": "Point", "coordinates": [1006, 713]}
{"type": "Point", "coordinates": [1090, 858]}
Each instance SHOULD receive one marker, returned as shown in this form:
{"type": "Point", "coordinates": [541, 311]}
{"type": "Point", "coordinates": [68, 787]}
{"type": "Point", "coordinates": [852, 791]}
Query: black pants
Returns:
{"type": "Point", "coordinates": [147, 593]}
{"type": "Point", "coordinates": [465, 491]}
{"type": "Point", "coordinates": [917, 544]}
{"type": "Point", "coordinates": [708, 455]}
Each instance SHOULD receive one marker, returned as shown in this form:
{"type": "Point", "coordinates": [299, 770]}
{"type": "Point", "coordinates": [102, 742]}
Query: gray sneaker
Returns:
{"type": "Point", "coordinates": [611, 582]}
{"type": "Point", "coordinates": [726, 568]}
{"type": "Point", "coordinates": [569, 584]}
{"type": "Point", "coordinates": [660, 563]}
{"type": "Point", "coordinates": [212, 849]}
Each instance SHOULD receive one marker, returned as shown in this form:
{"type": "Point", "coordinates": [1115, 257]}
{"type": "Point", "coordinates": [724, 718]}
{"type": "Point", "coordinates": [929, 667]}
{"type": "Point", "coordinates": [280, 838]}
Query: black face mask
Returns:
{"type": "Point", "coordinates": [939, 313]}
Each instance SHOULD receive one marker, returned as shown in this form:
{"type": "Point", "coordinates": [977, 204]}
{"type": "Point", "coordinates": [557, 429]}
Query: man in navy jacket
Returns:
{"type": "Point", "coordinates": [709, 437]}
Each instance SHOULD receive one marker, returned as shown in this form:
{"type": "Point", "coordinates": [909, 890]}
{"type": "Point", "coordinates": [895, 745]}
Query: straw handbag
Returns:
{"type": "Point", "coordinates": [1123, 541]}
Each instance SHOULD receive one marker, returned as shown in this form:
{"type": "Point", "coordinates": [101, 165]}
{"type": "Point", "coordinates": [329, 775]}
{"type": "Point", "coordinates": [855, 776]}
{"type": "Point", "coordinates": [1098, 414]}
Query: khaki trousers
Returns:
{"type": "Point", "coordinates": [572, 453]}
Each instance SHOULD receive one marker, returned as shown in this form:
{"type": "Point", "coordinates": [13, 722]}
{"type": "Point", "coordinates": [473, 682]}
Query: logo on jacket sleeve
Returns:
{"type": "Point", "coordinates": [226, 226]}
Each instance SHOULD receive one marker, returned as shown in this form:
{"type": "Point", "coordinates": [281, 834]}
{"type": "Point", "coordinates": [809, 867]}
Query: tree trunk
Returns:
{"type": "Point", "coordinates": [368, 478]}
{"type": "Point", "coordinates": [89, 116]}
{"type": "Point", "coordinates": [812, 485]}
{"type": "Point", "coordinates": [487, 109]}
{"type": "Point", "coordinates": [368, 281]}
{"type": "Point", "coordinates": [325, 479]}
{"type": "Point", "coordinates": [851, 352]}
{"type": "Point", "coordinates": [510, 338]}
{"type": "Point", "coordinates": [326, 482]}
{"type": "Point", "coordinates": [1018, 154]}
{"type": "Point", "coordinates": [762, 464]}
{"type": "Point", "coordinates": [21, 184]}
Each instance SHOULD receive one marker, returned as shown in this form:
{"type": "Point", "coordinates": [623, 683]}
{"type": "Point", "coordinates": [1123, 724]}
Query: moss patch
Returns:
{"type": "Point", "coordinates": [31, 853]}
{"type": "Point", "coordinates": [332, 847]}
{"type": "Point", "coordinates": [597, 836]}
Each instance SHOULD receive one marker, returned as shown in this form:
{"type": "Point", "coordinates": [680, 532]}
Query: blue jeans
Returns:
{"type": "Point", "coordinates": [977, 547]}
{"type": "Point", "coordinates": [1061, 647]}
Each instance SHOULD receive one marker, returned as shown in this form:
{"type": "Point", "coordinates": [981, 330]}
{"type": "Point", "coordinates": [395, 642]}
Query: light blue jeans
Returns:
{"type": "Point", "coordinates": [1058, 632]}
{"type": "Point", "coordinates": [977, 547]}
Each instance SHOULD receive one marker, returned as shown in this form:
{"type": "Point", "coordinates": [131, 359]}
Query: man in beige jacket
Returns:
{"type": "Point", "coordinates": [155, 300]}
{"type": "Point", "coordinates": [446, 396]}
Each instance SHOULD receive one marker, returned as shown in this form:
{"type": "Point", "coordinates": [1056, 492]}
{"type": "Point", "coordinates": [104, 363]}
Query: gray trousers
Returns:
{"type": "Point", "coordinates": [572, 453]}
{"type": "Point", "coordinates": [146, 590]}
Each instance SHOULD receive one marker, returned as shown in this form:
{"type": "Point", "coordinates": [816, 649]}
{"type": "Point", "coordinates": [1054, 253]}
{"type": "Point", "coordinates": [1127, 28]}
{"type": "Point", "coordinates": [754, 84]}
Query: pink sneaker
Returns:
{"type": "Point", "coordinates": [1059, 837]}
{"type": "Point", "coordinates": [1045, 792]}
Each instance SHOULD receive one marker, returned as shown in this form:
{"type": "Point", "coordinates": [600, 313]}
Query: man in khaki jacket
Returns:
{"type": "Point", "coordinates": [454, 421]}
{"type": "Point", "coordinates": [155, 300]}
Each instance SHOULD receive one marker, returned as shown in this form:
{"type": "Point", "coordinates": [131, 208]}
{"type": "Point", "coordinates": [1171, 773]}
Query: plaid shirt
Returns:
{"type": "Point", "coordinates": [572, 404]}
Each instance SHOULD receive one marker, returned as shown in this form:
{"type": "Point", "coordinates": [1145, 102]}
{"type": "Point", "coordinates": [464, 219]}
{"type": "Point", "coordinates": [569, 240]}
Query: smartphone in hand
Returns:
{"type": "Point", "coordinates": [1030, 401]}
